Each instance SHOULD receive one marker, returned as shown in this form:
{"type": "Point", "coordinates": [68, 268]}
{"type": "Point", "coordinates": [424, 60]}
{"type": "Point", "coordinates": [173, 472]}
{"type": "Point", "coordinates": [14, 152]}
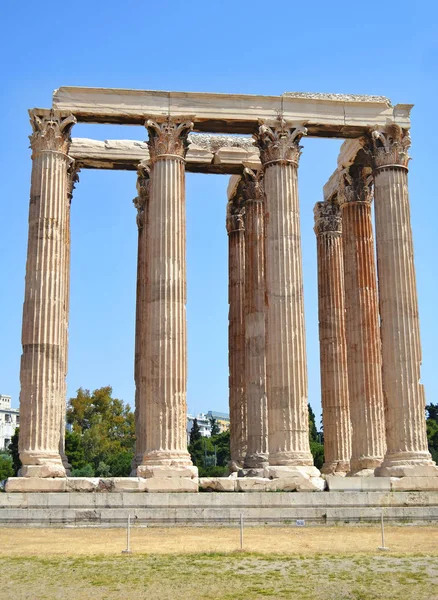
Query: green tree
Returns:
{"type": "Point", "coordinates": [6, 466]}
{"type": "Point", "coordinates": [316, 448]}
{"type": "Point", "coordinates": [214, 427]}
{"type": "Point", "coordinates": [432, 429]}
{"type": "Point", "coordinates": [195, 433]}
{"type": "Point", "coordinates": [13, 450]}
{"type": "Point", "coordinates": [103, 433]}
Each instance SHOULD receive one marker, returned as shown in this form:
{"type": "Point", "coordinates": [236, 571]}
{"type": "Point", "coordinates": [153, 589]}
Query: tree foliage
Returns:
{"type": "Point", "coordinates": [6, 466]}
{"type": "Point", "coordinates": [432, 430]}
{"type": "Point", "coordinates": [211, 454]}
{"type": "Point", "coordinates": [316, 447]}
{"type": "Point", "coordinates": [13, 450]}
{"type": "Point", "coordinates": [102, 439]}
{"type": "Point", "coordinates": [195, 433]}
{"type": "Point", "coordinates": [214, 427]}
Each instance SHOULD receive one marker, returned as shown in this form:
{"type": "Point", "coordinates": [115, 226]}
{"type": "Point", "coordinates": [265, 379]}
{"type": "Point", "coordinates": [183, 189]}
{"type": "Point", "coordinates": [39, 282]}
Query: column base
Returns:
{"type": "Point", "coordinates": [291, 459]}
{"type": "Point", "coordinates": [235, 466]}
{"type": "Point", "coordinates": [256, 461]}
{"type": "Point", "coordinates": [364, 466]}
{"type": "Point", "coordinates": [166, 471]}
{"type": "Point", "coordinates": [41, 464]}
{"type": "Point", "coordinates": [340, 467]}
{"type": "Point", "coordinates": [407, 464]}
{"type": "Point", "coordinates": [136, 462]}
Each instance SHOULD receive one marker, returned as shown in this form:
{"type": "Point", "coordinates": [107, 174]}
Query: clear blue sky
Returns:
{"type": "Point", "coordinates": [387, 48]}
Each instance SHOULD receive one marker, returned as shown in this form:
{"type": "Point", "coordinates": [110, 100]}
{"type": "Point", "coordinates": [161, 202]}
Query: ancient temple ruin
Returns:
{"type": "Point", "coordinates": [372, 399]}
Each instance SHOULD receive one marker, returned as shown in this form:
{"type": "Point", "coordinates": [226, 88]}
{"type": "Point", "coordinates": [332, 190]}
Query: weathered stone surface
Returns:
{"type": "Point", "coordinates": [286, 364]}
{"type": "Point", "coordinates": [324, 115]}
{"type": "Point", "coordinates": [171, 484]}
{"type": "Point", "coordinates": [236, 331]}
{"type": "Point", "coordinates": [254, 484]}
{"type": "Point", "coordinates": [217, 484]}
{"type": "Point", "coordinates": [82, 484]}
{"type": "Point", "coordinates": [358, 484]}
{"type": "Point", "coordinates": [417, 483]}
{"type": "Point", "coordinates": [186, 471]}
{"type": "Point", "coordinates": [362, 324]}
{"type": "Point", "coordinates": [45, 318]}
{"type": "Point", "coordinates": [164, 301]}
{"type": "Point", "coordinates": [255, 331]}
{"type": "Point", "coordinates": [406, 438]}
{"type": "Point", "coordinates": [332, 338]}
{"type": "Point", "coordinates": [36, 484]}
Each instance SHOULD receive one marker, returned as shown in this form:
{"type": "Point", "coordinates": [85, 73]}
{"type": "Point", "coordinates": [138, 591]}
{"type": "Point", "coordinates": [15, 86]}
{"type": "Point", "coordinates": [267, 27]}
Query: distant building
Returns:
{"type": "Point", "coordinates": [222, 420]}
{"type": "Point", "coordinates": [9, 420]}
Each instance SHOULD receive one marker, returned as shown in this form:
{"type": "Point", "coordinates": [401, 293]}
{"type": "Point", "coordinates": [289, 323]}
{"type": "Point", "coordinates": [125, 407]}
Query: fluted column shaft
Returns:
{"type": "Point", "coordinates": [332, 340]}
{"type": "Point", "coordinates": [141, 204]}
{"type": "Point", "coordinates": [236, 333]}
{"type": "Point", "coordinates": [255, 331]}
{"type": "Point", "coordinates": [285, 340]}
{"type": "Point", "coordinates": [362, 329]}
{"type": "Point", "coordinates": [165, 347]}
{"type": "Point", "coordinates": [44, 335]}
{"type": "Point", "coordinates": [407, 449]}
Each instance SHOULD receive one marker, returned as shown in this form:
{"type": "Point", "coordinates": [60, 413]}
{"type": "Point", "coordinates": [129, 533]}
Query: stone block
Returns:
{"type": "Point", "coordinates": [254, 484]}
{"type": "Point", "coordinates": [82, 484]}
{"type": "Point", "coordinates": [336, 483]}
{"type": "Point", "coordinates": [129, 484]}
{"type": "Point", "coordinates": [278, 472]}
{"type": "Point", "coordinates": [408, 484]}
{"type": "Point", "coordinates": [217, 484]}
{"type": "Point", "coordinates": [169, 484]}
{"type": "Point", "coordinates": [148, 471]}
{"type": "Point", "coordinates": [36, 484]}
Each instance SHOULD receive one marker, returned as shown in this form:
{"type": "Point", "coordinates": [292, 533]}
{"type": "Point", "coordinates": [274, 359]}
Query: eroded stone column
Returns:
{"type": "Point", "coordinates": [407, 450]}
{"type": "Point", "coordinates": [72, 179]}
{"type": "Point", "coordinates": [362, 324]}
{"type": "Point", "coordinates": [255, 331]}
{"type": "Point", "coordinates": [165, 347]}
{"type": "Point", "coordinates": [236, 331]}
{"type": "Point", "coordinates": [141, 204]}
{"type": "Point", "coordinates": [44, 335]}
{"type": "Point", "coordinates": [332, 340]}
{"type": "Point", "coordinates": [285, 340]}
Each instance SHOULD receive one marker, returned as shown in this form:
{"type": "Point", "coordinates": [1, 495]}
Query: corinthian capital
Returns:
{"type": "Point", "coordinates": [235, 215]}
{"type": "Point", "coordinates": [168, 136]}
{"type": "Point", "coordinates": [72, 177]}
{"type": "Point", "coordinates": [50, 132]}
{"type": "Point", "coordinates": [143, 185]}
{"type": "Point", "coordinates": [252, 185]}
{"type": "Point", "coordinates": [390, 146]}
{"type": "Point", "coordinates": [280, 142]}
{"type": "Point", "coordinates": [355, 185]}
{"type": "Point", "coordinates": [328, 220]}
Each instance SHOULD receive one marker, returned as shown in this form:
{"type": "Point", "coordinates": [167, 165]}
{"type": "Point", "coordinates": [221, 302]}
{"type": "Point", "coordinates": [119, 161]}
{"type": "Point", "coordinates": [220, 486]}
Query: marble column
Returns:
{"type": "Point", "coordinates": [364, 355]}
{"type": "Point", "coordinates": [407, 450]}
{"type": "Point", "coordinates": [72, 179]}
{"type": "Point", "coordinates": [332, 340]}
{"type": "Point", "coordinates": [164, 310]}
{"type": "Point", "coordinates": [141, 204]}
{"type": "Point", "coordinates": [236, 331]}
{"type": "Point", "coordinates": [285, 340]}
{"type": "Point", "coordinates": [44, 337]}
{"type": "Point", "coordinates": [254, 315]}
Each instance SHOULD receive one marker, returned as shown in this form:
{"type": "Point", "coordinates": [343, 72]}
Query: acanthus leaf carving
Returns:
{"type": "Point", "coordinates": [390, 146]}
{"type": "Point", "coordinates": [73, 170]}
{"type": "Point", "coordinates": [328, 219]}
{"type": "Point", "coordinates": [355, 185]}
{"type": "Point", "coordinates": [280, 141]}
{"type": "Point", "coordinates": [143, 189]}
{"type": "Point", "coordinates": [51, 132]}
{"type": "Point", "coordinates": [252, 184]}
{"type": "Point", "coordinates": [168, 136]}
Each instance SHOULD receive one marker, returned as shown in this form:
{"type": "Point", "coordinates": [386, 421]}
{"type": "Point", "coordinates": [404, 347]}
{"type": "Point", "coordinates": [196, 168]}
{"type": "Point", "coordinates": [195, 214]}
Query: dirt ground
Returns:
{"type": "Point", "coordinates": [309, 563]}
{"type": "Point", "coordinates": [289, 540]}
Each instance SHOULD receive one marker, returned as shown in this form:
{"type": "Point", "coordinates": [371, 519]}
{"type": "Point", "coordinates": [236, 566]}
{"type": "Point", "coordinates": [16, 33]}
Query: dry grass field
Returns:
{"type": "Point", "coordinates": [315, 563]}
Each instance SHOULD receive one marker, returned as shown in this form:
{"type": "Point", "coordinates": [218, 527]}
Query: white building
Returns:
{"type": "Point", "coordinates": [203, 422]}
{"type": "Point", "coordinates": [9, 420]}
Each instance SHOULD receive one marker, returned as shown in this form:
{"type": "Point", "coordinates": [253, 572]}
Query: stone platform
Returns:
{"type": "Point", "coordinates": [111, 509]}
